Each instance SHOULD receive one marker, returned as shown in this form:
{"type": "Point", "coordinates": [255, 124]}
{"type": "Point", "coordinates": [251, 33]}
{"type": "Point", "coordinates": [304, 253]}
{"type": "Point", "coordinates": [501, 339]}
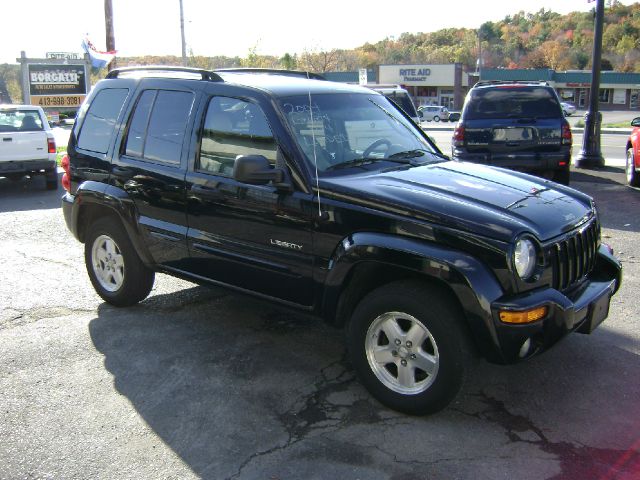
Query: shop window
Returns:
{"type": "Point", "coordinates": [605, 95]}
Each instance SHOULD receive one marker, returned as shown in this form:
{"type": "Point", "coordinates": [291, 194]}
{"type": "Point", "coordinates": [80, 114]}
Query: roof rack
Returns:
{"type": "Point", "coordinates": [273, 71]}
{"type": "Point", "coordinates": [204, 74]}
{"type": "Point", "coordinates": [509, 82]}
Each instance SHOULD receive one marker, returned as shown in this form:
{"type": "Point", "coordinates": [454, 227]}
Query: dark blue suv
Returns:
{"type": "Point", "coordinates": [515, 125]}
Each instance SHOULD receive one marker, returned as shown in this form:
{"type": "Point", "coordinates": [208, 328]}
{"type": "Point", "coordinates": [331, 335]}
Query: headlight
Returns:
{"type": "Point", "coordinates": [524, 258]}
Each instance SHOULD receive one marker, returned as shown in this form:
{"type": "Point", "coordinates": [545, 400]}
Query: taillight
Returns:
{"type": "Point", "coordinates": [458, 136]}
{"type": "Point", "coordinates": [567, 138]}
{"type": "Point", "coordinates": [51, 145]}
{"type": "Point", "coordinates": [66, 176]}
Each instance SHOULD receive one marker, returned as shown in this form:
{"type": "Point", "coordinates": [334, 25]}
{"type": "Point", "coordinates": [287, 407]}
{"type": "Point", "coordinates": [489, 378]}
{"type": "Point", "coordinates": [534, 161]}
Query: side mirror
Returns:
{"type": "Point", "coordinates": [256, 170]}
{"type": "Point", "coordinates": [635, 122]}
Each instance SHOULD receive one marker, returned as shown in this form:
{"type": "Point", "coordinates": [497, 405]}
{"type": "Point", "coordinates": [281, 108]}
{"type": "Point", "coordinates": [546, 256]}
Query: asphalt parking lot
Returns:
{"type": "Point", "coordinates": [201, 383]}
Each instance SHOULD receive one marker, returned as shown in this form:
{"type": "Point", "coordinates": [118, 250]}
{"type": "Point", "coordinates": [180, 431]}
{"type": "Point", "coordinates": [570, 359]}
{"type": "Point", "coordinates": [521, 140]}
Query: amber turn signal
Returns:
{"type": "Point", "coordinates": [526, 316]}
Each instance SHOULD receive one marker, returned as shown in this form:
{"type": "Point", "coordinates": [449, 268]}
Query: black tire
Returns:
{"type": "Point", "coordinates": [436, 118]}
{"type": "Point", "coordinates": [52, 181]}
{"type": "Point", "coordinates": [116, 272]}
{"type": "Point", "coordinates": [633, 178]}
{"type": "Point", "coordinates": [561, 176]}
{"type": "Point", "coordinates": [443, 350]}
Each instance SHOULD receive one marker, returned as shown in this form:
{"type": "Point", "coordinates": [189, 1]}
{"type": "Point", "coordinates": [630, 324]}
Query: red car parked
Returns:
{"type": "Point", "coordinates": [633, 154]}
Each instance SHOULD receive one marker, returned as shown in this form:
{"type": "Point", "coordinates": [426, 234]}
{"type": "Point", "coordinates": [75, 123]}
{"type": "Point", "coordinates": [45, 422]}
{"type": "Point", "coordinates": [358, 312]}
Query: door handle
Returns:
{"type": "Point", "coordinates": [206, 192]}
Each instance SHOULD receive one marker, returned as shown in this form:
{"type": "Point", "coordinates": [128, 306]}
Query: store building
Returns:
{"type": "Point", "coordinates": [444, 85]}
{"type": "Point", "coordinates": [618, 91]}
{"type": "Point", "coordinates": [435, 84]}
{"type": "Point", "coordinates": [447, 84]}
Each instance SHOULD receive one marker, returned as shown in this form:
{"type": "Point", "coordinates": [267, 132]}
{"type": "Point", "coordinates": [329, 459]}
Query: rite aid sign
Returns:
{"type": "Point", "coordinates": [414, 74]}
{"type": "Point", "coordinates": [428, 75]}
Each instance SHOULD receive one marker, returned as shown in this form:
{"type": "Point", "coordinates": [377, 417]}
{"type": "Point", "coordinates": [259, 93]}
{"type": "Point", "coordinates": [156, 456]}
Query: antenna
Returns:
{"type": "Point", "coordinates": [313, 139]}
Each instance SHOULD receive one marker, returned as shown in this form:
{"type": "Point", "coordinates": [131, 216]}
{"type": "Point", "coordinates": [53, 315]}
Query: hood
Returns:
{"type": "Point", "coordinates": [493, 202]}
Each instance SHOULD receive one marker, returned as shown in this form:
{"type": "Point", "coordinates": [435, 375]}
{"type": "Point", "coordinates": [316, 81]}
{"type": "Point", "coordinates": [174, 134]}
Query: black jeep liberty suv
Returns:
{"type": "Point", "coordinates": [328, 198]}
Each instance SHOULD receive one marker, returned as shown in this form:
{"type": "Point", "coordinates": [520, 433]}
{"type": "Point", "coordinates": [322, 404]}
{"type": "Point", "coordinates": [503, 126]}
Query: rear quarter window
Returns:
{"type": "Point", "coordinates": [100, 119]}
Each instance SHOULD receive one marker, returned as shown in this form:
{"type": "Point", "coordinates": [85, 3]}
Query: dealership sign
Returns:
{"type": "Point", "coordinates": [56, 85]}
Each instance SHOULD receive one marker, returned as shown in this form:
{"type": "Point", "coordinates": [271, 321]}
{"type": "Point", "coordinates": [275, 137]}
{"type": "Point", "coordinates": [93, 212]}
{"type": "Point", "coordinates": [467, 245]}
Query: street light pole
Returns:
{"type": "Point", "coordinates": [590, 156]}
{"type": "Point", "coordinates": [108, 26]}
{"type": "Point", "coordinates": [184, 42]}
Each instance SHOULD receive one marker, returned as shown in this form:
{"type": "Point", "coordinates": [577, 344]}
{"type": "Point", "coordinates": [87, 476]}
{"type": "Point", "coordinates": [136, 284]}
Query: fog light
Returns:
{"type": "Point", "coordinates": [526, 316]}
{"type": "Point", "coordinates": [524, 349]}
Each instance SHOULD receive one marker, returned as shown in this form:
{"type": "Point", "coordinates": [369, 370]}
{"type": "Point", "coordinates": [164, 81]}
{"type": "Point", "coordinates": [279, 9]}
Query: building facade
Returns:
{"type": "Point", "coordinates": [447, 84]}
{"type": "Point", "coordinates": [618, 91]}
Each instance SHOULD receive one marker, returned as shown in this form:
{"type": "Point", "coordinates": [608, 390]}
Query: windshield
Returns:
{"type": "Point", "coordinates": [513, 102]}
{"type": "Point", "coordinates": [352, 129]}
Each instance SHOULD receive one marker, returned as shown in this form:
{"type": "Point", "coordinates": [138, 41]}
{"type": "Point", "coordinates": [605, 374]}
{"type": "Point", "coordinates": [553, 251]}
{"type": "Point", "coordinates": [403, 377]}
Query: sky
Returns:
{"type": "Point", "coordinates": [230, 28]}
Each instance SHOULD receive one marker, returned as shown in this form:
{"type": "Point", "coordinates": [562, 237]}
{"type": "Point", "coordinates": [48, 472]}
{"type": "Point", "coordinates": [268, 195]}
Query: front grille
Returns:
{"type": "Point", "coordinates": [573, 257]}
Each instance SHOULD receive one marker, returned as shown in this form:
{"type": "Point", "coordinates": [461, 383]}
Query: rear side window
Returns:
{"type": "Point", "coordinates": [158, 126]}
{"type": "Point", "coordinates": [101, 118]}
{"type": "Point", "coordinates": [513, 102]}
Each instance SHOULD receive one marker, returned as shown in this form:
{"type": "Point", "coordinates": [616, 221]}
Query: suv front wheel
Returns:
{"type": "Point", "coordinates": [630, 169]}
{"type": "Point", "coordinates": [407, 347]}
{"type": "Point", "coordinates": [115, 270]}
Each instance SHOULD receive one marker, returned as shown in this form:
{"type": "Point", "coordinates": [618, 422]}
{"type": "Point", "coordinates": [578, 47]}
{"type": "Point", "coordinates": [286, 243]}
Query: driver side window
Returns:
{"type": "Point", "coordinates": [233, 127]}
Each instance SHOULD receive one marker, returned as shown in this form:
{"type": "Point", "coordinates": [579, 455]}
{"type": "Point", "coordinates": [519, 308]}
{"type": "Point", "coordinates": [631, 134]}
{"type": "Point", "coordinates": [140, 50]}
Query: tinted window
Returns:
{"type": "Point", "coordinates": [139, 122]}
{"type": "Point", "coordinates": [100, 119]}
{"type": "Point", "coordinates": [233, 127]}
{"type": "Point", "coordinates": [512, 101]}
{"type": "Point", "coordinates": [167, 125]}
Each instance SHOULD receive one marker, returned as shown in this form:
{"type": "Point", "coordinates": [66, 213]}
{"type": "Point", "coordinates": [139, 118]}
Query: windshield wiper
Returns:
{"type": "Point", "coordinates": [408, 154]}
{"type": "Point", "coordinates": [357, 162]}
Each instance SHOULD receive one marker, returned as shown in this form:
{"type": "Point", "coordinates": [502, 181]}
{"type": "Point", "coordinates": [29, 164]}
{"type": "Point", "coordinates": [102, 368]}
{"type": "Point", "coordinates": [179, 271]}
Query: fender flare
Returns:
{"type": "Point", "coordinates": [473, 284]}
{"type": "Point", "coordinates": [117, 202]}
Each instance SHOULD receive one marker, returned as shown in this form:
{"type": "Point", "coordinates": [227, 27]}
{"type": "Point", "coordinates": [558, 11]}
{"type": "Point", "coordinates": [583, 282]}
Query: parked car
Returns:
{"type": "Point", "coordinates": [633, 154]}
{"type": "Point", "coordinates": [432, 112]}
{"type": "Point", "coordinates": [568, 109]}
{"type": "Point", "coordinates": [27, 144]}
{"type": "Point", "coordinates": [399, 96]}
{"type": "Point", "coordinates": [454, 116]}
{"type": "Point", "coordinates": [517, 125]}
{"type": "Point", "coordinates": [325, 197]}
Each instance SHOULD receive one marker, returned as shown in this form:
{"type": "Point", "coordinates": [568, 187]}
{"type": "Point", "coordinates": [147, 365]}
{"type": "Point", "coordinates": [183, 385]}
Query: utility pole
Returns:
{"type": "Point", "coordinates": [184, 42]}
{"type": "Point", "coordinates": [108, 26]}
{"type": "Point", "coordinates": [590, 156]}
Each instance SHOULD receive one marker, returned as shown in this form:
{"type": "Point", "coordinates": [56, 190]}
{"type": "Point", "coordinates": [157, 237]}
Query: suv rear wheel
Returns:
{"type": "Point", "coordinates": [407, 347]}
{"type": "Point", "coordinates": [115, 270]}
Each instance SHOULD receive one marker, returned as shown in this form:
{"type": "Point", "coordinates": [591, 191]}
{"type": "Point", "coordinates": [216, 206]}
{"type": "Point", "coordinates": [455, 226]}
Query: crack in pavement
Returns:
{"type": "Point", "coordinates": [18, 318]}
{"type": "Point", "coordinates": [576, 461]}
{"type": "Point", "coordinates": [316, 412]}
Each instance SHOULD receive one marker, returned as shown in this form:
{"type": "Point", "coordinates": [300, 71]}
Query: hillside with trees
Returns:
{"type": "Point", "coordinates": [544, 39]}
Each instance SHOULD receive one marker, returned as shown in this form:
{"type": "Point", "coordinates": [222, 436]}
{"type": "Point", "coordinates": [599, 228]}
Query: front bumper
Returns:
{"type": "Point", "coordinates": [580, 309]}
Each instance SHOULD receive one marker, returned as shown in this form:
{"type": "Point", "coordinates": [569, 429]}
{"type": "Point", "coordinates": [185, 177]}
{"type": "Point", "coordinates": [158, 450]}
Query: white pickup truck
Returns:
{"type": "Point", "coordinates": [27, 144]}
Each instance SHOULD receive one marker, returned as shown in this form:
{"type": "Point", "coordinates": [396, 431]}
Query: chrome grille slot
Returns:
{"type": "Point", "coordinates": [574, 256]}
